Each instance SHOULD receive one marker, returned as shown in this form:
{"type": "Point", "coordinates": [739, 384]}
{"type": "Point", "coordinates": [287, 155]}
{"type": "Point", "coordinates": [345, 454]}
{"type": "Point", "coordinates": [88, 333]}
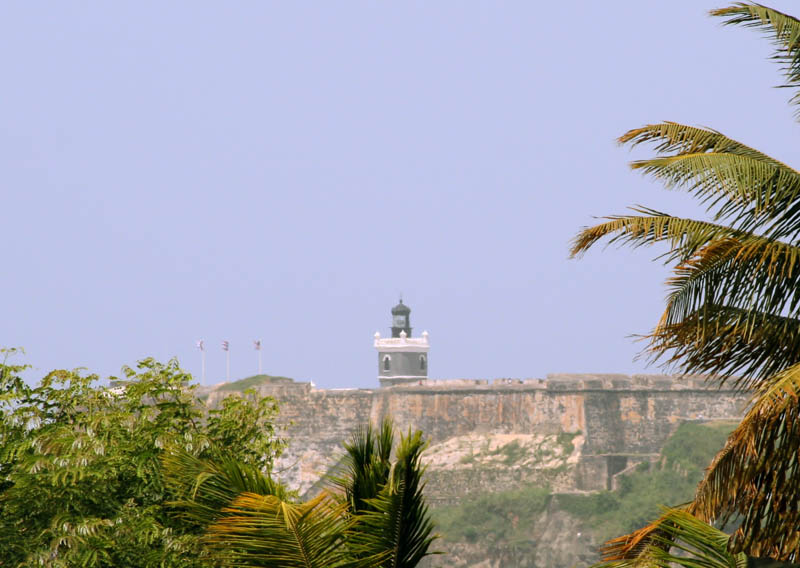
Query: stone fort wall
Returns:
{"type": "Point", "coordinates": [615, 420]}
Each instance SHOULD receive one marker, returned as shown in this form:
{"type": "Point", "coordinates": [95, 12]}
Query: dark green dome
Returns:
{"type": "Point", "coordinates": [401, 309]}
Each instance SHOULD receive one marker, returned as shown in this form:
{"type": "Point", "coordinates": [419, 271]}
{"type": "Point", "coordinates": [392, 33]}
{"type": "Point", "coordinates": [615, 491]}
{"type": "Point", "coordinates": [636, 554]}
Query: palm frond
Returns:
{"type": "Point", "coordinates": [746, 183]}
{"type": "Point", "coordinates": [723, 341]}
{"type": "Point", "coordinates": [755, 476]}
{"type": "Point", "coordinates": [366, 465]}
{"type": "Point", "coordinates": [673, 137]}
{"type": "Point", "coordinates": [752, 273]}
{"type": "Point", "coordinates": [399, 521]}
{"type": "Point", "coordinates": [748, 188]}
{"type": "Point", "coordinates": [723, 304]}
{"type": "Point", "coordinates": [734, 297]}
{"type": "Point", "coordinates": [628, 549]}
{"type": "Point", "coordinates": [697, 544]}
{"type": "Point", "coordinates": [677, 538]}
{"type": "Point", "coordinates": [205, 487]}
{"type": "Point", "coordinates": [263, 530]}
{"type": "Point", "coordinates": [685, 236]}
{"type": "Point", "coordinates": [782, 28]}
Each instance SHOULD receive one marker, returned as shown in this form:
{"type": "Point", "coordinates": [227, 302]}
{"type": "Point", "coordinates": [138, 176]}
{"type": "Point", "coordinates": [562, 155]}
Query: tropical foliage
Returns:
{"type": "Point", "coordinates": [373, 516]}
{"type": "Point", "coordinates": [694, 543]}
{"type": "Point", "coordinates": [733, 308]}
{"type": "Point", "coordinates": [142, 474]}
{"type": "Point", "coordinates": [81, 478]}
{"type": "Point", "coordinates": [391, 517]}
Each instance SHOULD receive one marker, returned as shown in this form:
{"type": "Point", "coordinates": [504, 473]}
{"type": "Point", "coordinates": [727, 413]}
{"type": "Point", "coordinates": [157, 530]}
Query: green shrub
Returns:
{"type": "Point", "coordinates": [692, 445]}
{"type": "Point", "coordinates": [499, 516]}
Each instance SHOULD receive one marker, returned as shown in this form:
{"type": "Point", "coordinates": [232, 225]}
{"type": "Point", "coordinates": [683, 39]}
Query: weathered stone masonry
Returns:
{"type": "Point", "coordinates": [615, 421]}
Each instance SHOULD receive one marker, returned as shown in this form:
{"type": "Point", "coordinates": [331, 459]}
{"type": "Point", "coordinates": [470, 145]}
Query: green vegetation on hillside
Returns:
{"type": "Point", "coordinates": [511, 452]}
{"type": "Point", "coordinates": [691, 444]}
{"type": "Point", "coordinates": [504, 516]}
{"type": "Point", "coordinates": [252, 382]}
{"type": "Point", "coordinates": [641, 494]}
{"type": "Point", "coordinates": [510, 516]}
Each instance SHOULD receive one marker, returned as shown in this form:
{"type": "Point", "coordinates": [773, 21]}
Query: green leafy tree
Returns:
{"type": "Point", "coordinates": [81, 480]}
{"type": "Point", "coordinates": [733, 309]}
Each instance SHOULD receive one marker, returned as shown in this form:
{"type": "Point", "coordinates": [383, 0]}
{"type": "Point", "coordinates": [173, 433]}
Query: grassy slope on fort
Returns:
{"type": "Point", "coordinates": [509, 516]}
{"type": "Point", "coordinates": [252, 382]}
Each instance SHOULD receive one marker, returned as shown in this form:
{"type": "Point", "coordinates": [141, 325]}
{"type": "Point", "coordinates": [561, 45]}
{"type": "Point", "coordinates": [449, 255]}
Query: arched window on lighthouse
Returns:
{"type": "Point", "coordinates": [387, 363]}
{"type": "Point", "coordinates": [422, 362]}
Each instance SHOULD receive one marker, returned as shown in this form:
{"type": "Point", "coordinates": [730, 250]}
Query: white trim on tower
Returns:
{"type": "Point", "coordinates": [402, 344]}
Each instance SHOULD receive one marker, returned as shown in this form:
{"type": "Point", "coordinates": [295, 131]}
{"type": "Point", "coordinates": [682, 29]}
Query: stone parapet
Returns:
{"type": "Point", "coordinates": [572, 382]}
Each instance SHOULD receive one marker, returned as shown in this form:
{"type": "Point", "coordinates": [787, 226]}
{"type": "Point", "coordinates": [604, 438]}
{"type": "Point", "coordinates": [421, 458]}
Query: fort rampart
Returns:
{"type": "Point", "coordinates": [613, 422]}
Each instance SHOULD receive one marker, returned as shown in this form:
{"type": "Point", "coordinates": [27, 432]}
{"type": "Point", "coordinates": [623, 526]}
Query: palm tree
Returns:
{"type": "Point", "coordinates": [733, 308]}
{"type": "Point", "coordinates": [378, 518]}
{"type": "Point", "coordinates": [385, 500]}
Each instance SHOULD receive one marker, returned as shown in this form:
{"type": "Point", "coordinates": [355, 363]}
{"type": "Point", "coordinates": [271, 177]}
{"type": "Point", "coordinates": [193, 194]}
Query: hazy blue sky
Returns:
{"type": "Point", "coordinates": [182, 170]}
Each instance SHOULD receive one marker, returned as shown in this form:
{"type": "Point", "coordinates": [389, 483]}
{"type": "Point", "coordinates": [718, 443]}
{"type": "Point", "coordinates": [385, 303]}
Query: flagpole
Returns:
{"type": "Point", "coordinates": [226, 347]}
{"type": "Point", "coordinates": [202, 347]}
{"type": "Point", "coordinates": [257, 345]}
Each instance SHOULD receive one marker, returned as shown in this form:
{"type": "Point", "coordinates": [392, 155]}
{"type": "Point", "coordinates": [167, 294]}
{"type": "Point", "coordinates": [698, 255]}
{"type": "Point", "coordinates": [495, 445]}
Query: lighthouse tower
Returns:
{"type": "Point", "coordinates": [402, 358]}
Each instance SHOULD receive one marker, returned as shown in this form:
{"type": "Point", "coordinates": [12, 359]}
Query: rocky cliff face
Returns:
{"type": "Point", "coordinates": [571, 433]}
